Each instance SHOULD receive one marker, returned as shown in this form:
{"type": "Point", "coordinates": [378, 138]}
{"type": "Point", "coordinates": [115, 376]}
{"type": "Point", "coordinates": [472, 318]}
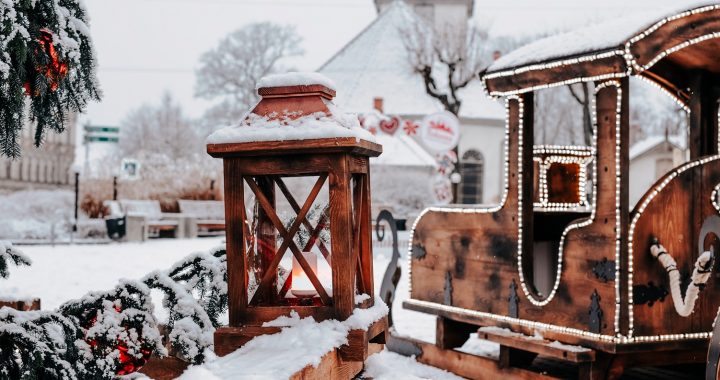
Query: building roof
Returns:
{"type": "Point", "coordinates": [401, 150]}
{"type": "Point", "coordinates": [643, 146]}
{"type": "Point", "coordinates": [374, 64]}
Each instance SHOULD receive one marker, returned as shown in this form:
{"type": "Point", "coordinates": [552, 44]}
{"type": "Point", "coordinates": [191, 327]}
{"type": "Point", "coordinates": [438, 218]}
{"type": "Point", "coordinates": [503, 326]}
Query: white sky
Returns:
{"type": "Point", "coordinates": [145, 47]}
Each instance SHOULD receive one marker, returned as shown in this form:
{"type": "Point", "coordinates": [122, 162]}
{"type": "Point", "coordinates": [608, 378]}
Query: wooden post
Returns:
{"type": "Point", "coordinates": [703, 139]}
{"type": "Point", "coordinates": [343, 272]}
{"type": "Point", "coordinates": [266, 239]}
{"type": "Point", "coordinates": [525, 192]}
{"type": "Point", "coordinates": [612, 209]}
{"type": "Point", "coordinates": [234, 234]}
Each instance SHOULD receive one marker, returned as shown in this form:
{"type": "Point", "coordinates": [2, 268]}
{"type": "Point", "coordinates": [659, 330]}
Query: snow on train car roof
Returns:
{"type": "Point", "coordinates": [605, 36]}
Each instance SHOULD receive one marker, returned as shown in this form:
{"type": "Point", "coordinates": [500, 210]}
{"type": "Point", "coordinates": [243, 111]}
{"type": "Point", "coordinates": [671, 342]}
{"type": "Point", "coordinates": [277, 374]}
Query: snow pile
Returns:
{"type": "Point", "coordinates": [604, 36]}
{"type": "Point", "coordinates": [480, 347]}
{"type": "Point", "coordinates": [295, 79]}
{"type": "Point", "coordinates": [387, 365]}
{"type": "Point", "coordinates": [36, 214]}
{"type": "Point", "coordinates": [567, 347]}
{"type": "Point", "coordinates": [302, 342]}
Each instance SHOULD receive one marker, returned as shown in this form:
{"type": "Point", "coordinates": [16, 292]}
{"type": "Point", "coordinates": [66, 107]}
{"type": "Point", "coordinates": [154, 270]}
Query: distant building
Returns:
{"type": "Point", "coordinates": [375, 64]}
{"type": "Point", "coordinates": [45, 167]}
{"type": "Point", "coordinates": [651, 159]}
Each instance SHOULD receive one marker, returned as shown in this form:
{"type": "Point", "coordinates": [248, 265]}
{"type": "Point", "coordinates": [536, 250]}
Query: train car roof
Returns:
{"type": "Point", "coordinates": [658, 45]}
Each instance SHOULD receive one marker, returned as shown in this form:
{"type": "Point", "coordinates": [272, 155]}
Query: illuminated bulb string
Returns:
{"type": "Point", "coordinates": [632, 66]}
{"type": "Point", "coordinates": [464, 209]}
{"type": "Point", "coordinates": [631, 232]}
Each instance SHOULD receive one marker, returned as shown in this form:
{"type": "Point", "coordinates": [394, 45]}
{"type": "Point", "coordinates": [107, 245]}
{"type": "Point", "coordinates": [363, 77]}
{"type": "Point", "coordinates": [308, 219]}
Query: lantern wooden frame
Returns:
{"type": "Point", "coordinates": [342, 163]}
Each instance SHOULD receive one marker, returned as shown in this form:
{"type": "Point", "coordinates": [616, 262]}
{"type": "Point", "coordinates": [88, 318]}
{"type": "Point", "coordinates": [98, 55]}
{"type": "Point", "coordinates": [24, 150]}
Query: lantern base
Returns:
{"type": "Point", "coordinates": [229, 339]}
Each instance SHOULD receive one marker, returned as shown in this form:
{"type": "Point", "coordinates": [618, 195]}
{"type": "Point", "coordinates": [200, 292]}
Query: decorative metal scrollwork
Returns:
{"type": "Point", "coordinates": [393, 272]}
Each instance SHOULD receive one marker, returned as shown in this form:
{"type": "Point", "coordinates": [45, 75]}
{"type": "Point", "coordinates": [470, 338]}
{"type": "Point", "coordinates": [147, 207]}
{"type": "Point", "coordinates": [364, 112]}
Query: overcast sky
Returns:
{"type": "Point", "coordinates": [145, 47]}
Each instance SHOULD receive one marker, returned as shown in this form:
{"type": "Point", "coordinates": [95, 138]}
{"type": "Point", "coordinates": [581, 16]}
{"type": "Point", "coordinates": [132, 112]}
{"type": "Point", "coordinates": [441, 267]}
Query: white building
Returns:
{"type": "Point", "coordinates": [651, 159]}
{"type": "Point", "coordinates": [375, 65]}
{"type": "Point", "coordinates": [45, 167]}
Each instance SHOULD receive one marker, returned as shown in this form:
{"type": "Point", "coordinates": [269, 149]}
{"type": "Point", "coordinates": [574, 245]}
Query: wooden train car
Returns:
{"type": "Point", "coordinates": [635, 286]}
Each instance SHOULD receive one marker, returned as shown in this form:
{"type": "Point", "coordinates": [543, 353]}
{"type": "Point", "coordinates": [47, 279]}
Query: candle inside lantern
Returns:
{"type": "Point", "coordinates": [301, 285]}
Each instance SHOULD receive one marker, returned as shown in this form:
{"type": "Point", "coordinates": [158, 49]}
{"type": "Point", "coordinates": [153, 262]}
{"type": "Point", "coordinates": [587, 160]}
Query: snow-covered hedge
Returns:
{"type": "Point", "coordinates": [31, 214]}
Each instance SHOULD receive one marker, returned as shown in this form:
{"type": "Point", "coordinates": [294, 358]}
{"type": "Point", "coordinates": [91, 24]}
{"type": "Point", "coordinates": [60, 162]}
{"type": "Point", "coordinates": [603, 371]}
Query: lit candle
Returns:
{"type": "Point", "coordinates": [301, 285]}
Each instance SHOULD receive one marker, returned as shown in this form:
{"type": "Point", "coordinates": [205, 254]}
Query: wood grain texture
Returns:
{"type": "Point", "coordinates": [479, 250]}
{"type": "Point", "coordinates": [675, 216]}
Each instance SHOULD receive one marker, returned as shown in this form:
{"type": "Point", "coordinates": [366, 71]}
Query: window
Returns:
{"type": "Point", "coordinates": [472, 167]}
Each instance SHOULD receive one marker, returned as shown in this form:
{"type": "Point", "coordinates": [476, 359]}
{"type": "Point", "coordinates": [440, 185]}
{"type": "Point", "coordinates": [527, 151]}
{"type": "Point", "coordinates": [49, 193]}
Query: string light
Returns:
{"type": "Point", "coordinates": [645, 201]}
{"type": "Point", "coordinates": [632, 67]}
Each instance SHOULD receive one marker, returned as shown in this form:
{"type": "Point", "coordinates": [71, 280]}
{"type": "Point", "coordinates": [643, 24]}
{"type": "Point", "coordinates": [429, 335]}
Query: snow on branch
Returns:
{"type": "Point", "coordinates": [9, 254]}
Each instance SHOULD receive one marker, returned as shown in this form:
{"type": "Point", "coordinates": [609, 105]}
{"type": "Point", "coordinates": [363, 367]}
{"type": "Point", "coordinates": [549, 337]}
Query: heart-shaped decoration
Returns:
{"type": "Point", "coordinates": [390, 126]}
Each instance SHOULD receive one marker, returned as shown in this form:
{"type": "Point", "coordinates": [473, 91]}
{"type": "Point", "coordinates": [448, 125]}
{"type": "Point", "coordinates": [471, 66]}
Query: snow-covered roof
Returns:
{"type": "Point", "coordinates": [375, 64]}
{"type": "Point", "coordinates": [643, 146]}
{"type": "Point", "coordinates": [401, 150]}
{"type": "Point", "coordinates": [605, 36]}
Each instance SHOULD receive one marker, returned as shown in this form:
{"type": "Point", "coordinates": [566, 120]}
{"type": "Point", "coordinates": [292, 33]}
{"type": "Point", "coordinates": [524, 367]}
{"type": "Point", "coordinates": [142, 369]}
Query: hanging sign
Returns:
{"type": "Point", "coordinates": [440, 132]}
{"type": "Point", "coordinates": [130, 169]}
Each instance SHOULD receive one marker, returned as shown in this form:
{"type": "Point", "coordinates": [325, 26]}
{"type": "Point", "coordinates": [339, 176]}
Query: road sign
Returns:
{"type": "Point", "coordinates": [98, 133]}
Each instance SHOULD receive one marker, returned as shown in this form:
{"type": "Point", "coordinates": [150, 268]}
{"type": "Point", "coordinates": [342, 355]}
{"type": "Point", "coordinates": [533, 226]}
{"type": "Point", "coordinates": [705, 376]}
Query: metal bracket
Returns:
{"type": "Point", "coordinates": [604, 270]}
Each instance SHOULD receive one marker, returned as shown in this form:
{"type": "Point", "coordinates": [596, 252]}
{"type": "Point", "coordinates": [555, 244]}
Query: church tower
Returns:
{"type": "Point", "coordinates": [442, 13]}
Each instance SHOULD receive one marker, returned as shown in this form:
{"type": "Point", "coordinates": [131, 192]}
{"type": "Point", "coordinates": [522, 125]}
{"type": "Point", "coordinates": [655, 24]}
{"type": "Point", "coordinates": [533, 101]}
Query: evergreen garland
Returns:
{"type": "Point", "coordinates": [8, 254]}
{"type": "Point", "coordinates": [205, 276]}
{"type": "Point", "coordinates": [47, 67]}
{"type": "Point", "coordinates": [114, 332]}
{"type": "Point", "coordinates": [119, 329]}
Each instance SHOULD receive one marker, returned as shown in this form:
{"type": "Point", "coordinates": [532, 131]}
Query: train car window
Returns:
{"type": "Point", "coordinates": [562, 158]}
{"type": "Point", "coordinates": [658, 137]}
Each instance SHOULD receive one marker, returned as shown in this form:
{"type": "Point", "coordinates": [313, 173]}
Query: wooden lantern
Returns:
{"type": "Point", "coordinates": [339, 165]}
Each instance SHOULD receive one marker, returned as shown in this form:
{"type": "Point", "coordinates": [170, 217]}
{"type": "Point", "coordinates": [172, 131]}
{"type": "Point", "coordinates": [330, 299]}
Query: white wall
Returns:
{"type": "Point", "coordinates": [490, 141]}
{"type": "Point", "coordinates": [643, 170]}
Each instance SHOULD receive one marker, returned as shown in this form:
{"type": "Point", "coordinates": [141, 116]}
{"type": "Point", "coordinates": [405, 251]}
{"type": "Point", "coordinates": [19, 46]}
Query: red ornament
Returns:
{"type": "Point", "coordinates": [126, 363]}
{"type": "Point", "coordinates": [373, 130]}
{"type": "Point", "coordinates": [390, 126]}
{"type": "Point", "coordinates": [55, 71]}
{"type": "Point", "coordinates": [410, 128]}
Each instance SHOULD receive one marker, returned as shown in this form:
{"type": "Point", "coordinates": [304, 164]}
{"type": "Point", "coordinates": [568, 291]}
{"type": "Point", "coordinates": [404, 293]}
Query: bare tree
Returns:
{"type": "Point", "coordinates": [230, 71]}
{"type": "Point", "coordinates": [447, 59]}
{"type": "Point", "coordinates": [159, 130]}
{"type": "Point", "coordinates": [582, 94]}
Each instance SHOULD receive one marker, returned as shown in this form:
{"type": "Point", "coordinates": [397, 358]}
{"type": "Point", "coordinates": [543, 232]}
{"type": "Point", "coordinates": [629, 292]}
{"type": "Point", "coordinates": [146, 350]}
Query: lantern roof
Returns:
{"type": "Point", "coordinates": [295, 114]}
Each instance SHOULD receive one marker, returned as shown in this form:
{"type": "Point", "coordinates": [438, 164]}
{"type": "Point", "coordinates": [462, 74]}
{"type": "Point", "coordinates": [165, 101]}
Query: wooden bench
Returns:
{"type": "Point", "coordinates": [145, 219]}
{"type": "Point", "coordinates": [206, 217]}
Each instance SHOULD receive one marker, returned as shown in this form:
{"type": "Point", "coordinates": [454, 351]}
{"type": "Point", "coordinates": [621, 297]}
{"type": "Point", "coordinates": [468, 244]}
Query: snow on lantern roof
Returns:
{"type": "Point", "coordinates": [610, 35]}
{"type": "Point", "coordinates": [295, 79]}
{"type": "Point", "coordinates": [294, 107]}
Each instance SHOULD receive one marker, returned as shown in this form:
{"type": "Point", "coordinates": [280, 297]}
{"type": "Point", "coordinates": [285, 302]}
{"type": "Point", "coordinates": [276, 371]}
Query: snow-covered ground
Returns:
{"type": "Point", "coordinates": [65, 272]}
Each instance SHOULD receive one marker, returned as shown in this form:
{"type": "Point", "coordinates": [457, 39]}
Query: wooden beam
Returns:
{"type": "Point", "coordinates": [236, 235]}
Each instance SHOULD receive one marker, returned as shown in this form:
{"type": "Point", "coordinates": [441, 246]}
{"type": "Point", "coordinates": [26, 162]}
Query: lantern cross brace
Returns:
{"type": "Point", "coordinates": [287, 237]}
{"type": "Point", "coordinates": [359, 214]}
{"type": "Point", "coordinates": [315, 230]}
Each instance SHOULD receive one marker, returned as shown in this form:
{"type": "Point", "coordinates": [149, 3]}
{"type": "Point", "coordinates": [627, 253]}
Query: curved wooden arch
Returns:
{"type": "Point", "coordinates": [662, 53]}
